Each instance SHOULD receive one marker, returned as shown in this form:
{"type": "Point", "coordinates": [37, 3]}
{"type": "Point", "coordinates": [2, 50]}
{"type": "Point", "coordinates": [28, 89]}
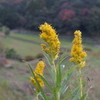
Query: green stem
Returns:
{"type": "Point", "coordinates": [54, 68]}
{"type": "Point", "coordinates": [55, 72]}
{"type": "Point", "coordinates": [58, 96]}
{"type": "Point", "coordinates": [37, 96]}
{"type": "Point", "coordinates": [80, 83]}
{"type": "Point", "coordinates": [53, 64]}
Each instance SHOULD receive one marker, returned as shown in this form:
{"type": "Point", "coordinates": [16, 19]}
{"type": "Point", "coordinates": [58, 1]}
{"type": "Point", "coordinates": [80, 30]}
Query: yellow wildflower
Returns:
{"type": "Point", "coordinates": [77, 50]}
{"type": "Point", "coordinates": [38, 70]}
{"type": "Point", "coordinates": [49, 35]}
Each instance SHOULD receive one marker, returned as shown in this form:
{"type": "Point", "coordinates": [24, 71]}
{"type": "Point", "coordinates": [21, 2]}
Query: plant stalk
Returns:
{"type": "Point", "coordinates": [58, 96]}
{"type": "Point", "coordinates": [80, 83]}
{"type": "Point", "coordinates": [55, 71]}
{"type": "Point", "coordinates": [37, 96]}
{"type": "Point", "coordinates": [53, 64]}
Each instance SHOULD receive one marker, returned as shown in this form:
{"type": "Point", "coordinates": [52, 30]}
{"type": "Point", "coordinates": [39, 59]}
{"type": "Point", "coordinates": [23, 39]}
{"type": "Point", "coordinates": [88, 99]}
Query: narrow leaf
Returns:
{"type": "Point", "coordinates": [48, 59]}
{"type": "Point", "coordinates": [81, 73]}
{"type": "Point", "coordinates": [63, 85]}
{"type": "Point", "coordinates": [62, 56]}
{"type": "Point", "coordinates": [59, 76]}
{"type": "Point", "coordinates": [65, 89]}
{"type": "Point", "coordinates": [76, 96]}
{"type": "Point", "coordinates": [42, 92]}
{"type": "Point", "coordinates": [62, 67]}
{"type": "Point", "coordinates": [75, 91]}
{"type": "Point", "coordinates": [70, 70]}
{"type": "Point", "coordinates": [83, 97]}
{"type": "Point", "coordinates": [45, 81]}
{"type": "Point", "coordinates": [67, 95]}
{"type": "Point", "coordinates": [54, 93]}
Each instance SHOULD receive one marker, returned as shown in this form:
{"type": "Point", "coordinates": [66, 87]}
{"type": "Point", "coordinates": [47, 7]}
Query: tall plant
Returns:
{"type": "Point", "coordinates": [60, 74]}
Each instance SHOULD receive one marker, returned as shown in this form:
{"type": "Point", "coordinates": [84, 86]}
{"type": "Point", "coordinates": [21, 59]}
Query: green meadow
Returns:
{"type": "Point", "coordinates": [15, 79]}
{"type": "Point", "coordinates": [24, 48]}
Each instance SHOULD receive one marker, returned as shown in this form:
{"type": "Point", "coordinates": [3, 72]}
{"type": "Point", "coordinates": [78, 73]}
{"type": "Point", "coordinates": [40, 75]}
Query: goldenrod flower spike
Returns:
{"type": "Point", "coordinates": [49, 35]}
{"type": "Point", "coordinates": [77, 52]}
{"type": "Point", "coordinates": [38, 70]}
{"type": "Point", "coordinates": [78, 55]}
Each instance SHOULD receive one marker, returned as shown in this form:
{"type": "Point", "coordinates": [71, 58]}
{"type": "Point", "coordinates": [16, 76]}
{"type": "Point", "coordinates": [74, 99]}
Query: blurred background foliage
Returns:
{"type": "Point", "coordinates": [65, 15]}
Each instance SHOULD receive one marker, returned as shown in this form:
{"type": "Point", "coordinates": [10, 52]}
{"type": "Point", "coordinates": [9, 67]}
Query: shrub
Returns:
{"type": "Point", "coordinates": [11, 54]}
{"type": "Point", "coordinates": [2, 54]}
{"type": "Point", "coordinates": [87, 49]}
{"type": "Point", "coordinates": [6, 31]}
{"type": "Point", "coordinates": [40, 55]}
{"type": "Point", "coordinates": [29, 58]}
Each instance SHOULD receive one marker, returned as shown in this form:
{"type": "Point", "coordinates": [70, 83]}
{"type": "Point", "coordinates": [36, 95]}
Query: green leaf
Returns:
{"type": "Point", "coordinates": [76, 97]}
{"type": "Point", "coordinates": [88, 91]}
{"type": "Point", "coordinates": [79, 74]}
{"type": "Point", "coordinates": [76, 94]}
{"type": "Point", "coordinates": [84, 83]}
{"type": "Point", "coordinates": [62, 57]}
{"type": "Point", "coordinates": [54, 92]}
{"type": "Point", "coordinates": [67, 95]}
{"type": "Point", "coordinates": [40, 88]}
{"type": "Point", "coordinates": [64, 89]}
{"type": "Point", "coordinates": [52, 74]}
{"type": "Point", "coordinates": [45, 81]}
{"type": "Point", "coordinates": [64, 83]}
{"type": "Point", "coordinates": [83, 97]}
{"type": "Point", "coordinates": [61, 60]}
{"type": "Point", "coordinates": [52, 68]}
{"type": "Point", "coordinates": [70, 70]}
{"type": "Point", "coordinates": [62, 67]}
{"type": "Point", "coordinates": [48, 59]}
{"type": "Point", "coordinates": [48, 98]}
{"type": "Point", "coordinates": [75, 91]}
{"type": "Point", "coordinates": [58, 76]}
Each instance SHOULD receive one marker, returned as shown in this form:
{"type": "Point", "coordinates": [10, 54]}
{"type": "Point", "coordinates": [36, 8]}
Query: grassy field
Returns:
{"type": "Point", "coordinates": [23, 48]}
{"type": "Point", "coordinates": [17, 76]}
{"type": "Point", "coordinates": [64, 43]}
{"type": "Point", "coordinates": [33, 37]}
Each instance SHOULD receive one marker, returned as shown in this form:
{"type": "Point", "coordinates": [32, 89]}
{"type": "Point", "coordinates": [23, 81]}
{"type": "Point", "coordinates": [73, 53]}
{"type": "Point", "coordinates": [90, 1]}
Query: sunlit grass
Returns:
{"type": "Point", "coordinates": [26, 48]}
{"type": "Point", "coordinates": [23, 48]}
{"type": "Point", "coordinates": [34, 37]}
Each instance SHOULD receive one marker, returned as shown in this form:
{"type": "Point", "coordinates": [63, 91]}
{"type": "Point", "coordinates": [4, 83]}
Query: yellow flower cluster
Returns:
{"type": "Point", "coordinates": [49, 35]}
{"type": "Point", "coordinates": [39, 70]}
{"type": "Point", "coordinates": [77, 50]}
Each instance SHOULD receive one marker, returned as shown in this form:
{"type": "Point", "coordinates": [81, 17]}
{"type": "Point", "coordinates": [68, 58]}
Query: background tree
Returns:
{"type": "Point", "coordinates": [65, 15]}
